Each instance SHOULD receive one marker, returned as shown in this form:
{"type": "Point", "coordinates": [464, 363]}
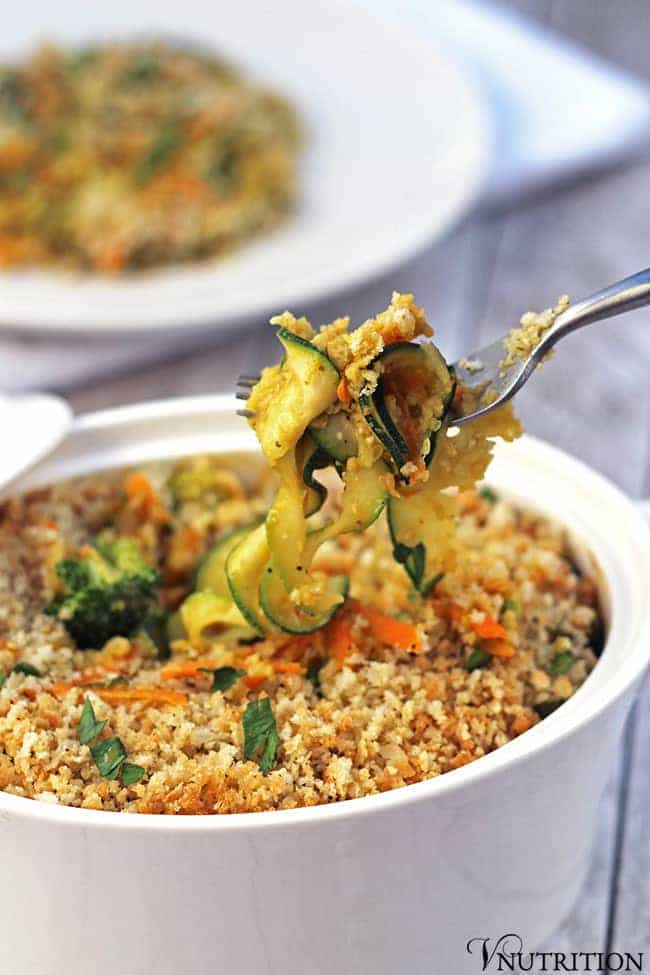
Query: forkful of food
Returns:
{"type": "Point", "coordinates": [487, 378]}
{"type": "Point", "coordinates": [491, 376]}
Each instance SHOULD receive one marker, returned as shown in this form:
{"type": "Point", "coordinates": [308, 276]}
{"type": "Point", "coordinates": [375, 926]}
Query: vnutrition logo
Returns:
{"type": "Point", "coordinates": [507, 954]}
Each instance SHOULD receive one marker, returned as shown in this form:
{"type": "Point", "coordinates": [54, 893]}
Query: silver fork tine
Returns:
{"type": "Point", "coordinates": [501, 383]}
{"type": "Point", "coordinates": [240, 394]}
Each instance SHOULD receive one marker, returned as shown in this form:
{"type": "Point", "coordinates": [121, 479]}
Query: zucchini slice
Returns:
{"type": "Point", "coordinates": [409, 404]}
{"type": "Point", "coordinates": [415, 531]}
{"type": "Point", "coordinates": [336, 436]}
{"type": "Point", "coordinates": [211, 571]}
{"type": "Point", "coordinates": [364, 498]}
{"type": "Point", "coordinates": [217, 614]}
{"type": "Point", "coordinates": [312, 458]}
{"type": "Point", "coordinates": [244, 568]}
{"type": "Point", "coordinates": [293, 618]}
{"type": "Point", "coordinates": [286, 526]}
{"type": "Point", "coordinates": [290, 395]}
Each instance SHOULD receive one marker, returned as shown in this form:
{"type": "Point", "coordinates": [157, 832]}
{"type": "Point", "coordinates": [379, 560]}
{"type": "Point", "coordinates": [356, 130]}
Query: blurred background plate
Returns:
{"type": "Point", "coordinates": [396, 146]}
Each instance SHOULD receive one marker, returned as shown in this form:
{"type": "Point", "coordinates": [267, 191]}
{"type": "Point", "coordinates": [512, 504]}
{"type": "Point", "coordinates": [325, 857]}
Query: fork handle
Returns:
{"type": "Point", "coordinates": [632, 292]}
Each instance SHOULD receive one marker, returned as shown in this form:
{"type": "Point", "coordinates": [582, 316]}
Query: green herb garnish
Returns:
{"type": "Point", "coordinates": [155, 628]}
{"type": "Point", "coordinates": [512, 605]}
{"type": "Point", "coordinates": [159, 152]}
{"type": "Point", "coordinates": [3, 678]}
{"type": "Point", "coordinates": [547, 707]}
{"type": "Point", "coordinates": [477, 658]}
{"type": "Point", "coordinates": [221, 172]}
{"type": "Point", "coordinates": [89, 727]}
{"type": "Point", "coordinates": [562, 663]}
{"type": "Point", "coordinates": [146, 68]}
{"type": "Point", "coordinates": [109, 755]}
{"type": "Point", "coordinates": [223, 677]}
{"type": "Point", "coordinates": [261, 739]}
{"type": "Point", "coordinates": [22, 667]}
{"type": "Point", "coordinates": [429, 586]}
{"type": "Point", "coordinates": [313, 672]}
{"type": "Point", "coordinates": [488, 494]}
{"type": "Point", "coordinates": [131, 773]}
{"type": "Point", "coordinates": [80, 60]}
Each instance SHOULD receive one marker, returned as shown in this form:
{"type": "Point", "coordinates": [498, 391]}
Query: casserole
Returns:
{"type": "Point", "coordinates": [395, 882]}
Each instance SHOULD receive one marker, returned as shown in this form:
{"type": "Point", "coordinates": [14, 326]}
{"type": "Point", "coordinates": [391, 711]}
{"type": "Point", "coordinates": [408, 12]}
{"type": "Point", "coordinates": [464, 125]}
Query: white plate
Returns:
{"type": "Point", "coordinates": [396, 146]}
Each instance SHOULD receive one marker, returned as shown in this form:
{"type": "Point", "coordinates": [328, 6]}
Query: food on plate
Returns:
{"type": "Point", "coordinates": [125, 156]}
{"type": "Point", "coordinates": [217, 634]}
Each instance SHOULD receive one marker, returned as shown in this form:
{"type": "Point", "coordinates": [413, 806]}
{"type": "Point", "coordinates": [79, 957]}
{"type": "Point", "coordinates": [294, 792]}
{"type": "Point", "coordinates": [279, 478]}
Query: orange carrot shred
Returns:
{"type": "Point", "coordinates": [186, 669]}
{"type": "Point", "coordinates": [343, 392]}
{"type": "Point", "coordinates": [499, 648]}
{"type": "Point", "coordinates": [287, 667]}
{"type": "Point", "coordinates": [254, 680]}
{"type": "Point", "coordinates": [341, 642]}
{"type": "Point", "coordinates": [152, 696]}
{"type": "Point", "coordinates": [397, 633]}
{"type": "Point", "coordinates": [490, 629]}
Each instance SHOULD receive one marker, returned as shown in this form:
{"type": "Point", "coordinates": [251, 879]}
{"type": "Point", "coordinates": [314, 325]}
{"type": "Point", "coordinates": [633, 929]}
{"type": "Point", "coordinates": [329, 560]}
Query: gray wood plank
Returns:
{"type": "Point", "coordinates": [631, 909]}
{"type": "Point", "coordinates": [595, 393]}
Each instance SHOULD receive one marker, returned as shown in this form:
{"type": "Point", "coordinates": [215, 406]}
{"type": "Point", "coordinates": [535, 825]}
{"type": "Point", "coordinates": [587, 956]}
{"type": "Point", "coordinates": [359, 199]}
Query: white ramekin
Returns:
{"type": "Point", "coordinates": [393, 883]}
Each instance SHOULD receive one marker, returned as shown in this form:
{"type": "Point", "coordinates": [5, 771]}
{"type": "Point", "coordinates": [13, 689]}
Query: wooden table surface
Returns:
{"type": "Point", "coordinates": [474, 286]}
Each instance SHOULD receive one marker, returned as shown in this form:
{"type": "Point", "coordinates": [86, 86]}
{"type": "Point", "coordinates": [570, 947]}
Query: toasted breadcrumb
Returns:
{"type": "Point", "coordinates": [382, 717]}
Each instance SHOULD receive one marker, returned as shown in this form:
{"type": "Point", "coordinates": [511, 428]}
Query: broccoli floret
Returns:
{"type": "Point", "coordinates": [108, 591]}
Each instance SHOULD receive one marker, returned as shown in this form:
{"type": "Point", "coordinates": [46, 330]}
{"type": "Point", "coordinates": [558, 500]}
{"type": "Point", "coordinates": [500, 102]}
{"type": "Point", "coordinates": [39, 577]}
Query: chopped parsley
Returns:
{"type": "Point", "coordinates": [160, 151]}
{"type": "Point", "coordinates": [429, 586]}
{"type": "Point", "coordinates": [488, 494]}
{"type": "Point", "coordinates": [3, 678]}
{"type": "Point", "coordinates": [261, 739]}
{"type": "Point", "coordinates": [223, 677]}
{"type": "Point", "coordinates": [131, 773]}
{"type": "Point", "coordinates": [313, 671]}
{"type": "Point", "coordinates": [548, 707]}
{"type": "Point", "coordinates": [155, 629]}
{"type": "Point", "coordinates": [22, 667]}
{"type": "Point", "coordinates": [89, 727]}
{"type": "Point", "coordinates": [477, 658]}
{"type": "Point", "coordinates": [109, 754]}
{"type": "Point", "coordinates": [512, 605]}
{"type": "Point", "coordinates": [562, 663]}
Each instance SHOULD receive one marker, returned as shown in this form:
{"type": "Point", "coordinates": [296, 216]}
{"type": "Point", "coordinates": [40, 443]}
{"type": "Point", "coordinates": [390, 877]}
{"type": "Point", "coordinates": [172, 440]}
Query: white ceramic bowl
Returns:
{"type": "Point", "coordinates": [397, 882]}
{"type": "Point", "coordinates": [396, 146]}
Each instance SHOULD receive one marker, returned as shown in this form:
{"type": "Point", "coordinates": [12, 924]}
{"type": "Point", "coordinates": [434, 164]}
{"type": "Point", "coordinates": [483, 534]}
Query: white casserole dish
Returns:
{"type": "Point", "coordinates": [392, 883]}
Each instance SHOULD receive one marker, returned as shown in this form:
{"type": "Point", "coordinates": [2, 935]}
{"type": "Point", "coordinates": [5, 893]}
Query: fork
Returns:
{"type": "Point", "coordinates": [490, 382]}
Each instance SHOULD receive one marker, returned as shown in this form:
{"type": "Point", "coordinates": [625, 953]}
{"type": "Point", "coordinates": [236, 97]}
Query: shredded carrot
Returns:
{"type": "Point", "coordinates": [340, 641]}
{"type": "Point", "coordinates": [186, 669]}
{"type": "Point", "coordinates": [463, 758]}
{"type": "Point", "coordinates": [389, 630]}
{"type": "Point", "coordinates": [343, 391]}
{"type": "Point", "coordinates": [112, 259]}
{"type": "Point", "coordinates": [295, 648]}
{"type": "Point", "coordinates": [140, 492]}
{"type": "Point", "coordinates": [287, 667]}
{"type": "Point", "coordinates": [151, 696]}
{"type": "Point", "coordinates": [254, 680]}
{"type": "Point", "coordinates": [499, 648]}
{"type": "Point", "coordinates": [453, 612]}
{"type": "Point", "coordinates": [522, 723]}
{"type": "Point", "coordinates": [490, 629]}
